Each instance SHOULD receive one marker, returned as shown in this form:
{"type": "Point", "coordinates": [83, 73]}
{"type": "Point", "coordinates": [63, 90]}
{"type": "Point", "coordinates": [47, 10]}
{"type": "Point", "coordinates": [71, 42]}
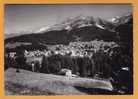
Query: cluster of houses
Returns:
{"type": "Point", "coordinates": [74, 49]}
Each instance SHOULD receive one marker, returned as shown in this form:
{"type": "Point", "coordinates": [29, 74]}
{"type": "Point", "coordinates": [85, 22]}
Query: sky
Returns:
{"type": "Point", "coordinates": [19, 18]}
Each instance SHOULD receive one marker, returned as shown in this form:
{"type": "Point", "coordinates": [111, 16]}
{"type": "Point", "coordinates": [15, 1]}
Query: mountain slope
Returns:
{"type": "Point", "coordinates": [64, 37]}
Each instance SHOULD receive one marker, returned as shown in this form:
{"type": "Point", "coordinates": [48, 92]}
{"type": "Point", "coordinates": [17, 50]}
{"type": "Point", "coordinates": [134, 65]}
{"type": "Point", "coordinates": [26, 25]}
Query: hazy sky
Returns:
{"type": "Point", "coordinates": [32, 17]}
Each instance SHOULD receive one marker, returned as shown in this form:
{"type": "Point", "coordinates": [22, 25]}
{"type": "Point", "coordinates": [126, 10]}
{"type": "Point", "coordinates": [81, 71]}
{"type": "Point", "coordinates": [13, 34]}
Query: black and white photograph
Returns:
{"type": "Point", "coordinates": [68, 49]}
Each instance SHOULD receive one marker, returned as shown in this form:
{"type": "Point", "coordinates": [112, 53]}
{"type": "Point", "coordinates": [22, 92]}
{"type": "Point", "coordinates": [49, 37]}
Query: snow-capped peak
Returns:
{"type": "Point", "coordinates": [75, 22]}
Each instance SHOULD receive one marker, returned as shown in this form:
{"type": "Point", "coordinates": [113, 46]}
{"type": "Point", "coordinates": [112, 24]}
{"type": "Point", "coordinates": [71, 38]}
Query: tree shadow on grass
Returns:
{"type": "Point", "coordinates": [95, 91]}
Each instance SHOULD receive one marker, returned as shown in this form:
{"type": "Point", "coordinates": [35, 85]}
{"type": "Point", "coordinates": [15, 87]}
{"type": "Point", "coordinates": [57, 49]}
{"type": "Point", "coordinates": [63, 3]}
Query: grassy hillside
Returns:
{"type": "Point", "coordinates": [29, 83]}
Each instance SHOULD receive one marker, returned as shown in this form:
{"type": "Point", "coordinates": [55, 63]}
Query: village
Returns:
{"type": "Point", "coordinates": [74, 49]}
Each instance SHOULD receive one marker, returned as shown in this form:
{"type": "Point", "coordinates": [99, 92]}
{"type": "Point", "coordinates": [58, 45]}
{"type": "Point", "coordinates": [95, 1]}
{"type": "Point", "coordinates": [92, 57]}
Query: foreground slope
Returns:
{"type": "Point", "coordinates": [27, 82]}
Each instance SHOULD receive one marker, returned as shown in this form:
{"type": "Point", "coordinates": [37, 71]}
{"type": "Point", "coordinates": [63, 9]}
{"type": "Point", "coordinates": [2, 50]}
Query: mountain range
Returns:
{"type": "Point", "coordinates": [79, 28]}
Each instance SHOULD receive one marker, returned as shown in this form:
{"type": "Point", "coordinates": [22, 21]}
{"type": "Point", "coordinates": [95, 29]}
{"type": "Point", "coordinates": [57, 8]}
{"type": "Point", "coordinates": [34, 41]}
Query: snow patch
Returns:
{"type": "Point", "coordinates": [68, 28]}
{"type": "Point", "coordinates": [43, 29]}
{"type": "Point", "coordinates": [84, 25]}
{"type": "Point", "coordinates": [99, 26]}
{"type": "Point", "coordinates": [113, 19]}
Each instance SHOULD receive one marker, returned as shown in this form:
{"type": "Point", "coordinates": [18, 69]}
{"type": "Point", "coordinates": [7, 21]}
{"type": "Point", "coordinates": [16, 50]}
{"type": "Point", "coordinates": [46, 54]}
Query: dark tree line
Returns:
{"type": "Point", "coordinates": [101, 63]}
{"type": "Point", "coordinates": [84, 66]}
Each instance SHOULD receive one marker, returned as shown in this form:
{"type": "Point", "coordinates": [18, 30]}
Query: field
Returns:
{"type": "Point", "coordinates": [30, 83]}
